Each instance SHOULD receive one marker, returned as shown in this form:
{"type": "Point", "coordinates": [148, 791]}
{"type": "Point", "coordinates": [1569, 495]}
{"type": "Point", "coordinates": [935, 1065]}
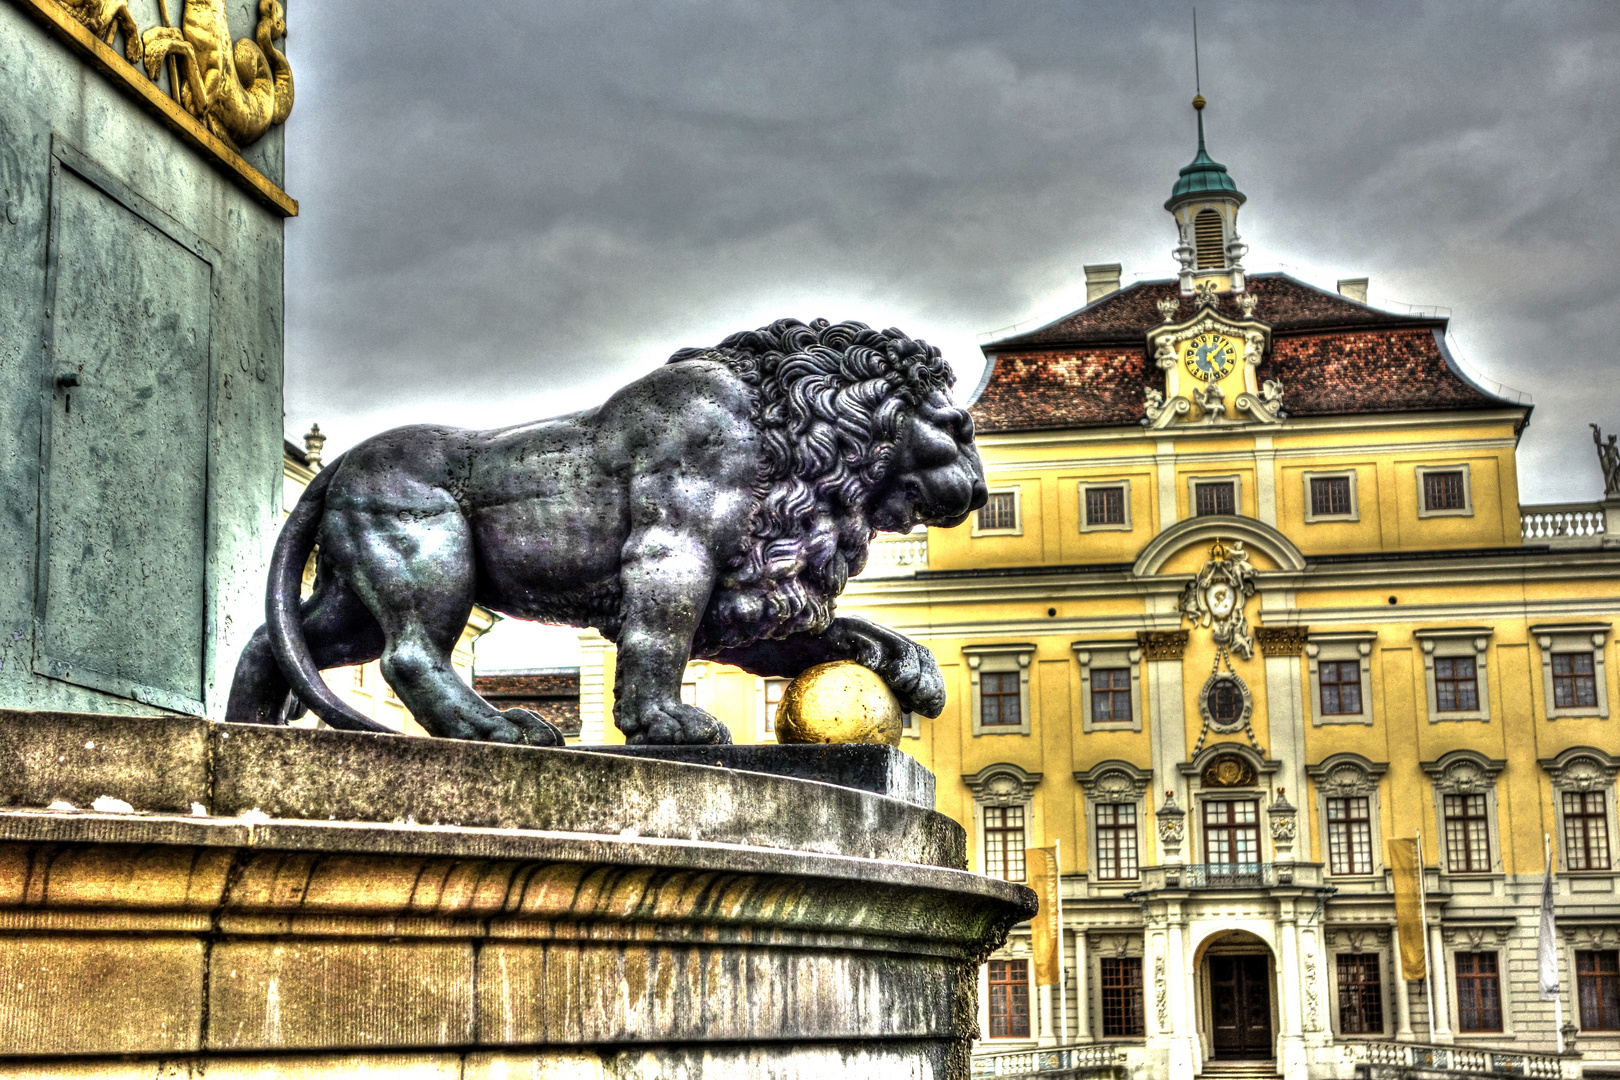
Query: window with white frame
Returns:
{"type": "Point", "coordinates": [1340, 665]}
{"type": "Point", "coordinates": [1584, 797]}
{"type": "Point", "coordinates": [1105, 506]}
{"type": "Point", "coordinates": [1574, 674]}
{"type": "Point", "coordinates": [1115, 794]}
{"type": "Point", "coordinates": [1455, 672]}
{"type": "Point", "coordinates": [1110, 685]}
{"type": "Point", "coordinates": [1347, 807]}
{"type": "Point", "coordinates": [998, 678]}
{"type": "Point", "coordinates": [771, 692]}
{"type": "Point", "coordinates": [1465, 796]}
{"type": "Point", "coordinates": [1001, 515]}
{"type": "Point", "coordinates": [1215, 495]}
{"type": "Point", "coordinates": [1002, 795]}
{"type": "Point", "coordinates": [1444, 491]}
{"type": "Point", "coordinates": [1331, 496]}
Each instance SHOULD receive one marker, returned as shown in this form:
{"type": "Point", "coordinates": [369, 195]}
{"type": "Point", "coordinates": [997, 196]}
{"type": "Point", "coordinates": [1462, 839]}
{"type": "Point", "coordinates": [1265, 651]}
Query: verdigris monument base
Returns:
{"type": "Point", "coordinates": [284, 902]}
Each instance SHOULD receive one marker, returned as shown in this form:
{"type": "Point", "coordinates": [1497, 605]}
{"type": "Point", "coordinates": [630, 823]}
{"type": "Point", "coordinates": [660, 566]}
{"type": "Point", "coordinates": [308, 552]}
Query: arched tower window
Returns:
{"type": "Point", "coordinates": [1209, 237]}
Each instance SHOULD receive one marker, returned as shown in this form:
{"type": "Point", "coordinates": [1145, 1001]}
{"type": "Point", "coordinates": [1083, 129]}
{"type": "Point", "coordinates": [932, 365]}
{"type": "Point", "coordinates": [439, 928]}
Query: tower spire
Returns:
{"type": "Point", "coordinates": [1205, 203]}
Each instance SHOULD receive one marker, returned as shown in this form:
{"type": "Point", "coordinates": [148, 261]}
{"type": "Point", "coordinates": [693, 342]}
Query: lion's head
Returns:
{"type": "Point", "coordinates": [858, 434]}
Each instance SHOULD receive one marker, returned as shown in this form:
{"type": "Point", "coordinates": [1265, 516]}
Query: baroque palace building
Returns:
{"type": "Point", "coordinates": [1253, 596]}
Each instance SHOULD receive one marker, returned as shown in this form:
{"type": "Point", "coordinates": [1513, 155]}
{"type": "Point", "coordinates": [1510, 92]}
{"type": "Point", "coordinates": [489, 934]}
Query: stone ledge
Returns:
{"type": "Point", "coordinates": [882, 770]}
{"type": "Point", "coordinates": [165, 765]}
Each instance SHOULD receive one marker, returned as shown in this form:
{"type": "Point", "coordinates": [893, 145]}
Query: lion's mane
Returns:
{"type": "Point", "coordinates": [830, 401]}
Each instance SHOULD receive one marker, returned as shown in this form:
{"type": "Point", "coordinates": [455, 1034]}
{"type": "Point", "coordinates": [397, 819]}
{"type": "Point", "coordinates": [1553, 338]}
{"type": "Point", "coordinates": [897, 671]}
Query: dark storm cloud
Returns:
{"type": "Point", "coordinates": [511, 208]}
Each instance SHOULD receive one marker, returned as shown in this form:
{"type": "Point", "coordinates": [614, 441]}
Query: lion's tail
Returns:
{"type": "Point", "coordinates": [282, 609]}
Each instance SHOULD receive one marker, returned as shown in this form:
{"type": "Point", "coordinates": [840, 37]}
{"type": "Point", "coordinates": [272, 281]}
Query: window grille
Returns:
{"type": "Point", "coordinates": [1105, 506]}
{"type": "Point", "coordinates": [1009, 999]}
{"type": "Point", "coordinates": [1444, 491]}
{"type": "Point", "coordinates": [1597, 984]}
{"type": "Point", "coordinates": [1004, 842]}
{"type": "Point", "coordinates": [1361, 994]}
{"type": "Point", "coordinates": [1456, 684]}
{"type": "Point", "coordinates": [1341, 687]}
{"type": "Point", "coordinates": [1110, 695]}
{"type": "Point", "coordinates": [1468, 838]}
{"type": "Point", "coordinates": [1218, 498]}
{"type": "Point", "coordinates": [1232, 832]}
{"type": "Point", "coordinates": [1330, 496]}
{"type": "Point", "coordinates": [1000, 512]}
{"type": "Point", "coordinates": [1116, 841]}
{"type": "Point", "coordinates": [1479, 994]}
{"type": "Point", "coordinates": [1574, 681]}
{"type": "Point", "coordinates": [1209, 235]}
{"type": "Point", "coordinates": [1586, 831]}
{"type": "Point", "coordinates": [1349, 835]}
{"type": "Point", "coordinates": [998, 699]}
{"type": "Point", "coordinates": [1122, 996]}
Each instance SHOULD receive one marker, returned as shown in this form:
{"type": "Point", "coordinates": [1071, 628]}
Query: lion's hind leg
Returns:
{"type": "Point", "coordinates": [338, 631]}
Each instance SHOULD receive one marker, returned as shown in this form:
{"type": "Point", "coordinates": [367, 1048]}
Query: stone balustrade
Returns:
{"type": "Point", "coordinates": [1564, 524]}
{"type": "Point", "coordinates": [1377, 1060]}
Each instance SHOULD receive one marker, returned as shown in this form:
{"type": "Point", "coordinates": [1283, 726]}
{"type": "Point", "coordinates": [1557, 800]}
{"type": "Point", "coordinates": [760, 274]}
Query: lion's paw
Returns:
{"type": "Point", "coordinates": [680, 725]}
{"type": "Point", "coordinates": [536, 730]}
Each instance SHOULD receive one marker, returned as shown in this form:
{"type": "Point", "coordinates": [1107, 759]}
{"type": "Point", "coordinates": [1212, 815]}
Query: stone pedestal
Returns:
{"type": "Point", "coordinates": [250, 901]}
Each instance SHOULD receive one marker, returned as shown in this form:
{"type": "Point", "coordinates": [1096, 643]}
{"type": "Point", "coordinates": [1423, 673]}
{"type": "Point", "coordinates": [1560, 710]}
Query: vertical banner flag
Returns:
{"type": "Point", "coordinates": [1547, 940]}
{"type": "Point", "coordinates": [1403, 860]}
{"type": "Point", "coordinates": [1043, 878]}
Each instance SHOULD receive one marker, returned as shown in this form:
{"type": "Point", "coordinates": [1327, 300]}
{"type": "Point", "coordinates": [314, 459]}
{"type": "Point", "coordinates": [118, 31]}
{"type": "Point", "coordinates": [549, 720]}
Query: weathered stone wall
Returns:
{"type": "Point", "coordinates": [137, 505]}
{"type": "Point", "coordinates": [274, 901]}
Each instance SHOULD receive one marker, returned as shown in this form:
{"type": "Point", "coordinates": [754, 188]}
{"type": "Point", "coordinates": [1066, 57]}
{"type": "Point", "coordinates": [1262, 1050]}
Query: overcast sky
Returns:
{"type": "Point", "coordinates": [509, 209]}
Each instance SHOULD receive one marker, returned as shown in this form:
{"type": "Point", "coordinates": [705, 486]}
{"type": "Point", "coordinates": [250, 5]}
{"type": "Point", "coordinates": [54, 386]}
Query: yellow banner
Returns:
{"type": "Point", "coordinates": [1043, 878]}
{"type": "Point", "coordinates": [1408, 873]}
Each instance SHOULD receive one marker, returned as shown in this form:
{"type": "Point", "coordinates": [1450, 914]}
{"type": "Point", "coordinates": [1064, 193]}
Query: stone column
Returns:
{"type": "Point", "coordinates": [1437, 983]}
{"type": "Point", "coordinates": [1082, 1017]}
{"type": "Point", "coordinates": [1166, 706]}
{"type": "Point", "coordinates": [1043, 995]}
{"type": "Point", "coordinates": [1291, 1048]}
{"type": "Point", "coordinates": [1403, 992]}
{"type": "Point", "coordinates": [1183, 1024]}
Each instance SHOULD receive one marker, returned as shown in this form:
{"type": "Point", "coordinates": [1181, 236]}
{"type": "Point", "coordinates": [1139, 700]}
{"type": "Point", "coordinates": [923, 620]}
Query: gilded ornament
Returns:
{"type": "Point", "coordinates": [840, 702]}
{"type": "Point", "coordinates": [237, 90]}
{"type": "Point", "coordinates": [104, 18]}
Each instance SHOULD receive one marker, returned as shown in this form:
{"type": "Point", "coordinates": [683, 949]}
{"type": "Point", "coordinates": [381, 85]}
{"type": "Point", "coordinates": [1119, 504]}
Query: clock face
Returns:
{"type": "Point", "coordinates": [1209, 357]}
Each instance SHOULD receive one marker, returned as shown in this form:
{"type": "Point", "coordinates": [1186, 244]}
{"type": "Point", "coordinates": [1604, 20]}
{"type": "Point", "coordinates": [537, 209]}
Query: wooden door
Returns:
{"type": "Point", "coordinates": [1240, 1006]}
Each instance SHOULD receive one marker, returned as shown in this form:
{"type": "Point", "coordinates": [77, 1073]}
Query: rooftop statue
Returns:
{"type": "Point", "coordinates": [712, 509]}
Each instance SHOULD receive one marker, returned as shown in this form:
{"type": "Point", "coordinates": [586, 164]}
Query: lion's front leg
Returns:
{"type": "Point", "coordinates": [666, 580]}
{"type": "Point", "coordinates": [908, 667]}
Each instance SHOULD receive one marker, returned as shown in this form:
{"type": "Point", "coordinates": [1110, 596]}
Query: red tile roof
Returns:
{"type": "Point", "coordinates": [1332, 355]}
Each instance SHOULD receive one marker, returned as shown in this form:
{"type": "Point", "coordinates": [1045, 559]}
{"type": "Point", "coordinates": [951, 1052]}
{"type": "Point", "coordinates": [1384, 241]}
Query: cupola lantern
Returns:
{"type": "Point", "coordinates": [1205, 205]}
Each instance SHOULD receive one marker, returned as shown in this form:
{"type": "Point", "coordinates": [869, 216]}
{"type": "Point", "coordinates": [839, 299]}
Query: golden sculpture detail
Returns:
{"type": "Point", "coordinates": [104, 18]}
{"type": "Point", "coordinates": [840, 702]}
{"type": "Point", "coordinates": [237, 90]}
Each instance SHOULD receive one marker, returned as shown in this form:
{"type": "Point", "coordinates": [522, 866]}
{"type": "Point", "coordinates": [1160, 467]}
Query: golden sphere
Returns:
{"type": "Point", "coordinates": [840, 702]}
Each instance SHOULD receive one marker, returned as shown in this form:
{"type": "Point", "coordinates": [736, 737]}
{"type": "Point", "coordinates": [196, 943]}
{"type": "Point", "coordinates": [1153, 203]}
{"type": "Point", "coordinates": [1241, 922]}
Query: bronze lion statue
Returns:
{"type": "Point", "coordinates": [714, 508]}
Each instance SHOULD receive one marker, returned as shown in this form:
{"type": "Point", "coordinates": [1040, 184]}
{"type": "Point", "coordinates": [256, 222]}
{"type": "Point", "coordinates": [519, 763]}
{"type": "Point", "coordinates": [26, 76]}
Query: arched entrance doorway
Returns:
{"type": "Point", "coordinates": [1239, 1014]}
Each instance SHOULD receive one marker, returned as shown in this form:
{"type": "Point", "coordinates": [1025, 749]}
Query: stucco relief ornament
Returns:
{"type": "Point", "coordinates": [1206, 294]}
{"type": "Point", "coordinates": [1215, 598]}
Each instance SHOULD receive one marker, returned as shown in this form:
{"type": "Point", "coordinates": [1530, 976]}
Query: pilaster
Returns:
{"type": "Point", "coordinates": [1167, 720]}
{"type": "Point", "coordinates": [1285, 712]}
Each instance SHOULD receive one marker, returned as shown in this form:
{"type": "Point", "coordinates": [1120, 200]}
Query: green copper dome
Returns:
{"type": "Point", "coordinates": [1205, 176]}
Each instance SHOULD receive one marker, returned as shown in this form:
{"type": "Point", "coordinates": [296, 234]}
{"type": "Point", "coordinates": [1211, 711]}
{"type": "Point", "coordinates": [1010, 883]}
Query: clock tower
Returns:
{"type": "Point", "coordinates": [1205, 205]}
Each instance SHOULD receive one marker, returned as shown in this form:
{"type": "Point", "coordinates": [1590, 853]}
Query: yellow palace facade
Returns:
{"type": "Point", "coordinates": [1254, 595]}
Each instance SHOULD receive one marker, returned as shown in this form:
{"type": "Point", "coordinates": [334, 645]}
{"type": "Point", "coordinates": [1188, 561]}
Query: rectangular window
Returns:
{"type": "Point", "coordinates": [1586, 831]}
{"type": "Point", "coordinates": [689, 693]}
{"type": "Point", "coordinates": [1110, 695]}
{"type": "Point", "coordinates": [1444, 491]}
{"type": "Point", "coordinates": [998, 699]}
{"type": "Point", "coordinates": [1468, 838]}
{"type": "Point", "coordinates": [774, 689]}
{"type": "Point", "coordinates": [1105, 506]}
{"type": "Point", "coordinates": [1009, 999]}
{"type": "Point", "coordinates": [1122, 997]}
{"type": "Point", "coordinates": [1574, 681]}
{"type": "Point", "coordinates": [1232, 840]}
{"type": "Point", "coordinates": [1004, 842]}
{"type": "Point", "coordinates": [1215, 498]}
{"type": "Point", "coordinates": [1456, 684]}
{"type": "Point", "coordinates": [360, 677]}
{"type": "Point", "coordinates": [1349, 835]}
{"type": "Point", "coordinates": [1001, 512]}
{"type": "Point", "coordinates": [1479, 994]}
{"type": "Point", "coordinates": [1361, 995]}
{"type": "Point", "coordinates": [1341, 687]}
{"type": "Point", "coordinates": [1116, 841]}
{"type": "Point", "coordinates": [1330, 496]}
{"type": "Point", "coordinates": [1597, 983]}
